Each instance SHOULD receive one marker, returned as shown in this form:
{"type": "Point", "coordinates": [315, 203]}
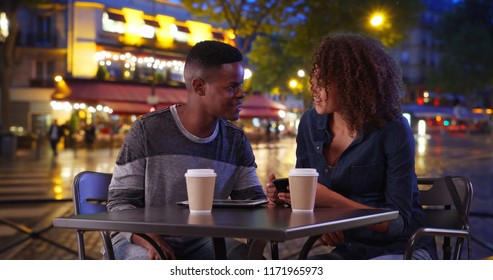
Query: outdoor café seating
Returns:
{"type": "Point", "coordinates": [446, 202]}
{"type": "Point", "coordinates": [90, 193]}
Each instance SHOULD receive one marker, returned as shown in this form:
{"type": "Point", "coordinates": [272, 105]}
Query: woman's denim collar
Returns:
{"type": "Point", "coordinates": [324, 134]}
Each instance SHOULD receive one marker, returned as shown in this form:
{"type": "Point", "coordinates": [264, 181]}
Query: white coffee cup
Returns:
{"type": "Point", "coordinates": [200, 189]}
{"type": "Point", "coordinates": [303, 188]}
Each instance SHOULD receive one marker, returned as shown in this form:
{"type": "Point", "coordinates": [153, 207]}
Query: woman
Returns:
{"type": "Point", "coordinates": [362, 147]}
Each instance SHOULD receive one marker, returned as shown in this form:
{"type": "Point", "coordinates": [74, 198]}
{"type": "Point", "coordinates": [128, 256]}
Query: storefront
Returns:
{"type": "Point", "coordinates": [264, 119]}
{"type": "Point", "coordinates": [109, 106]}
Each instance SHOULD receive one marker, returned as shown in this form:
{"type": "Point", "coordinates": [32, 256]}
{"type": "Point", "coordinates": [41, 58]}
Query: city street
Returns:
{"type": "Point", "coordinates": [29, 177]}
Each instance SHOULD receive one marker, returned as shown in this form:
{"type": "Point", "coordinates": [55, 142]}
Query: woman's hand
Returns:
{"type": "Point", "coordinates": [273, 195]}
{"type": "Point", "coordinates": [332, 238]}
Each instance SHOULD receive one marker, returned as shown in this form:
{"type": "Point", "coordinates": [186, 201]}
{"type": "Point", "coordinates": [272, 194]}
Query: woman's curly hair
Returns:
{"type": "Point", "coordinates": [367, 78]}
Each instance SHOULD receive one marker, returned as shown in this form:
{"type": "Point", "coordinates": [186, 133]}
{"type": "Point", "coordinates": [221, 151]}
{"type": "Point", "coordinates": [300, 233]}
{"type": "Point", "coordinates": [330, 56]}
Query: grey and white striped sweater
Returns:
{"type": "Point", "coordinates": [157, 152]}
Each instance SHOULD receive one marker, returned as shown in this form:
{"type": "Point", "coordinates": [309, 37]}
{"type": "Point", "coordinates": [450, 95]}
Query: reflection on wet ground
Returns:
{"type": "Point", "coordinates": [27, 176]}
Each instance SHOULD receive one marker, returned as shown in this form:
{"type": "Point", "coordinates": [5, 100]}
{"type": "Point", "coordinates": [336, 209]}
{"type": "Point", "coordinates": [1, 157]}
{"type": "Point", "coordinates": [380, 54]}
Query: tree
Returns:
{"type": "Point", "coordinates": [466, 64]}
{"type": "Point", "coordinates": [291, 47]}
{"type": "Point", "coordinates": [7, 46]}
{"type": "Point", "coordinates": [246, 18]}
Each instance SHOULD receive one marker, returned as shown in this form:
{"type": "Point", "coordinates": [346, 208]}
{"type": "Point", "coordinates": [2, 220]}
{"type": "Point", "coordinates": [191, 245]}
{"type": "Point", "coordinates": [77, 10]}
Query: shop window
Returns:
{"type": "Point", "coordinates": [43, 73]}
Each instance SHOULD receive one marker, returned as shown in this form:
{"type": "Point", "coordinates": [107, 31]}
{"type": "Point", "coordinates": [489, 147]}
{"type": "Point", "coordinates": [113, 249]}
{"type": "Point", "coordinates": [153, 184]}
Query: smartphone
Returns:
{"type": "Point", "coordinates": [281, 184]}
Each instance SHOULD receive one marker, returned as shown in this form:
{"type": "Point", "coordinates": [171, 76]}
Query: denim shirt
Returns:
{"type": "Point", "coordinates": [377, 170]}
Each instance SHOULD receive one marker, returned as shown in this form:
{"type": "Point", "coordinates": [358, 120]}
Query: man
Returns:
{"type": "Point", "coordinates": [162, 145]}
{"type": "Point", "coordinates": [55, 133]}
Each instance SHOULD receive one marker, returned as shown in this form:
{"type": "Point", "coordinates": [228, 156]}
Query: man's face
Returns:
{"type": "Point", "coordinates": [223, 92]}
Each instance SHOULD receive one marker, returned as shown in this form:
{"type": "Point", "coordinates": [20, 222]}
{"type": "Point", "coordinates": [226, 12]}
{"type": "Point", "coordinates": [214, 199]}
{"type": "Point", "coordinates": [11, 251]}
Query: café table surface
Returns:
{"type": "Point", "coordinates": [261, 224]}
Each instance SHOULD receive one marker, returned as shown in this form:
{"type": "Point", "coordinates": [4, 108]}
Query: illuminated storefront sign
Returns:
{"type": "Point", "coordinates": [135, 25]}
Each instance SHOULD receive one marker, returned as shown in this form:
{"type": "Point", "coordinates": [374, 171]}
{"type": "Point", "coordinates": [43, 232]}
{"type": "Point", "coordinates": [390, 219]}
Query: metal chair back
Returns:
{"type": "Point", "coordinates": [446, 202]}
{"type": "Point", "coordinates": [90, 193]}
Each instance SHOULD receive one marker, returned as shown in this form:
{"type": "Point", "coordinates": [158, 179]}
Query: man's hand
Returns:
{"type": "Point", "coordinates": [151, 251]}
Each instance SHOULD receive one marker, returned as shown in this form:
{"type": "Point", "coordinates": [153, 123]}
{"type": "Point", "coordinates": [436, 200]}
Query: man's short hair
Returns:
{"type": "Point", "coordinates": [210, 54]}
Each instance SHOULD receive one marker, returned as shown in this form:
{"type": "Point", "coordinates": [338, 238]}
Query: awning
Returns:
{"type": "Point", "coordinates": [259, 106]}
{"type": "Point", "coordinates": [249, 113]}
{"type": "Point", "coordinates": [123, 98]}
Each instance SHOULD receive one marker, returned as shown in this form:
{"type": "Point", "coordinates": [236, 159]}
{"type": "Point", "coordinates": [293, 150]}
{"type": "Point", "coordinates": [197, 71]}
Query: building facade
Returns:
{"type": "Point", "coordinates": [80, 61]}
{"type": "Point", "coordinates": [420, 52]}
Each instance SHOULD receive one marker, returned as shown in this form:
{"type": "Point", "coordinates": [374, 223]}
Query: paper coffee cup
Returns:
{"type": "Point", "coordinates": [303, 188]}
{"type": "Point", "coordinates": [200, 189]}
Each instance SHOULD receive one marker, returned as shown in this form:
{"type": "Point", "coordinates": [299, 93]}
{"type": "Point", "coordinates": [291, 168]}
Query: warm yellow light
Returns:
{"type": "Point", "coordinates": [247, 74]}
{"type": "Point", "coordinates": [293, 83]}
{"type": "Point", "coordinates": [376, 19]}
{"type": "Point", "coordinates": [57, 189]}
{"type": "Point", "coordinates": [163, 34]}
{"type": "Point", "coordinates": [4, 27]}
{"type": "Point", "coordinates": [58, 78]}
{"type": "Point", "coordinates": [135, 20]}
{"type": "Point", "coordinates": [199, 31]}
{"type": "Point", "coordinates": [301, 73]}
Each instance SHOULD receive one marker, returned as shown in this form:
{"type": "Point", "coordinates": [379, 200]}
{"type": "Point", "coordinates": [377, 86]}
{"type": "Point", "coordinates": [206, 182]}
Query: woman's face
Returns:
{"type": "Point", "coordinates": [326, 102]}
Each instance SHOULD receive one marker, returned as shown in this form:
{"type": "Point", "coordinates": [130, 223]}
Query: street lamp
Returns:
{"type": "Point", "coordinates": [377, 19]}
{"type": "Point", "coordinates": [293, 83]}
{"type": "Point", "coordinates": [379, 25]}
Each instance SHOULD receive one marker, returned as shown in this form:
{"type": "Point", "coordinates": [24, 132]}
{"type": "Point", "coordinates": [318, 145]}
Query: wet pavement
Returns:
{"type": "Point", "coordinates": [30, 176]}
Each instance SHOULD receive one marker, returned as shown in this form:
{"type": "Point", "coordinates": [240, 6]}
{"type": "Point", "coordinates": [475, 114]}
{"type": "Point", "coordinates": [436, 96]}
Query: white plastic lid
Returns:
{"type": "Point", "coordinates": [200, 173]}
{"type": "Point", "coordinates": [303, 172]}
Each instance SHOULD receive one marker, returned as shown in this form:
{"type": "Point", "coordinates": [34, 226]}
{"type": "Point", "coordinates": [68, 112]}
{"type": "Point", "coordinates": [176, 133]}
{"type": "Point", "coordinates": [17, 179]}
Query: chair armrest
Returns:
{"type": "Point", "coordinates": [108, 246]}
{"type": "Point", "coordinates": [307, 247]}
{"type": "Point", "coordinates": [417, 235]}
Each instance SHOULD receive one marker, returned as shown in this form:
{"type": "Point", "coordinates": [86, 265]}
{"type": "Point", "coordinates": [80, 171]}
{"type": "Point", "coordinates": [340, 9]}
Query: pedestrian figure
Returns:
{"type": "Point", "coordinates": [55, 133]}
{"type": "Point", "coordinates": [89, 136]}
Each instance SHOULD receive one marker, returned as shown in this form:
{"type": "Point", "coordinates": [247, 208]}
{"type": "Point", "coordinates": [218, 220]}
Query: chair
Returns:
{"type": "Point", "coordinates": [446, 202]}
{"type": "Point", "coordinates": [90, 193]}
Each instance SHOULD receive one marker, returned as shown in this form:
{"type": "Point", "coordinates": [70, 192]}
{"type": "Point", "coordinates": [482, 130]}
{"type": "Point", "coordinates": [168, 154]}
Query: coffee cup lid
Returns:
{"type": "Point", "coordinates": [200, 173]}
{"type": "Point", "coordinates": [303, 172]}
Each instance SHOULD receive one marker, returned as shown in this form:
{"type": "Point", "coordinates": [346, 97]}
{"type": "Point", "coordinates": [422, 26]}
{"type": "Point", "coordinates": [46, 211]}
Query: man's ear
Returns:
{"type": "Point", "coordinates": [199, 86]}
